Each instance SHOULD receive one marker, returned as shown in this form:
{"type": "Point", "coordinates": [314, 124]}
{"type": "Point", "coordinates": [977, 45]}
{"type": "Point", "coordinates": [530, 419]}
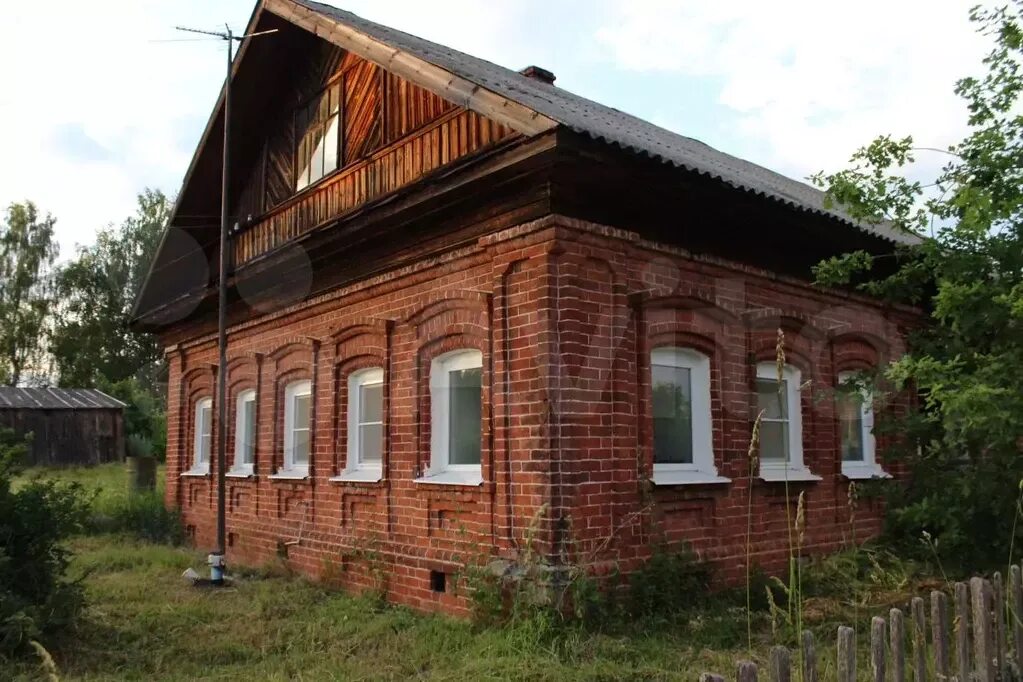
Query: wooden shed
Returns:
{"type": "Point", "coordinates": [69, 426]}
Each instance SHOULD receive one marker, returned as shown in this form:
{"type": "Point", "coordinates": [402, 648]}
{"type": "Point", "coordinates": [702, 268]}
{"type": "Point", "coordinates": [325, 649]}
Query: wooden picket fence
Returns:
{"type": "Point", "coordinates": [985, 636]}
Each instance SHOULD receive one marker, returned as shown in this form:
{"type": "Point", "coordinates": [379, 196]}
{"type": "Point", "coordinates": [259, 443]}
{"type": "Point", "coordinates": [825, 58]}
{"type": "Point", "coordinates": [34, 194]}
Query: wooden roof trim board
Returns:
{"type": "Point", "coordinates": [440, 82]}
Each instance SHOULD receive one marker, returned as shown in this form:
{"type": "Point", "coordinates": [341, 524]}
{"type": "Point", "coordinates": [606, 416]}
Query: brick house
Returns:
{"type": "Point", "coordinates": [466, 304]}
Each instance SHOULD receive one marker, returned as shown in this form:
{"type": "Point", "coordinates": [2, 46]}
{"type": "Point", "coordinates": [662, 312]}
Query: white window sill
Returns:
{"type": "Point", "coordinates": [863, 472]}
{"type": "Point", "coordinates": [239, 473]}
{"type": "Point", "coordinates": [688, 478]}
{"type": "Point", "coordinates": [792, 474]}
{"type": "Point", "coordinates": [467, 478]}
{"type": "Point", "coordinates": [290, 475]}
{"type": "Point", "coordinates": [366, 475]}
{"type": "Point", "coordinates": [196, 473]}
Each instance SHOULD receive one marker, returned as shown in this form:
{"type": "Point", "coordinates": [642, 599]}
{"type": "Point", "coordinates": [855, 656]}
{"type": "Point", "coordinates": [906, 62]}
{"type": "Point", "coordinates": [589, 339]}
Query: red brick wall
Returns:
{"type": "Point", "coordinates": [564, 313]}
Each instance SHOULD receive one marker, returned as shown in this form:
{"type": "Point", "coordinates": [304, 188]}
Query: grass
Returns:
{"type": "Point", "coordinates": [144, 622]}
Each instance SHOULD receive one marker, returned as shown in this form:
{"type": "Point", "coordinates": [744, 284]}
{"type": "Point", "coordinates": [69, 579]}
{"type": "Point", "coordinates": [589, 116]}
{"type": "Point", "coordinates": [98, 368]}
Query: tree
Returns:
{"type": "Point", "coordinates": [91, 340]}
{"type": "Point", "coordinates": [27, 251]}
{"type": "Point", "coordinates": [967, 274]}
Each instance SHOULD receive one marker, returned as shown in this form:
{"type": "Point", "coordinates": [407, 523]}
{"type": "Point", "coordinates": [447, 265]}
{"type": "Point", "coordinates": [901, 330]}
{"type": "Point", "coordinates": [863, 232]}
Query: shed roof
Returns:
{"type": "Point", "coordinates": [14, 398]}
{"type": "Point", "coordinates": [607, 124]}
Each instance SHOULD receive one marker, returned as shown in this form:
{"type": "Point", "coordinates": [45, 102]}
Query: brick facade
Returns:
{"type": "Point", "coordinates": [565, 314]}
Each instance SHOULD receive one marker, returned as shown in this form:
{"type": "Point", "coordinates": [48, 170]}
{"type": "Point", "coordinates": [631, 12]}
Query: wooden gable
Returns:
{"type": "Point", "coordinates": [393, 133]}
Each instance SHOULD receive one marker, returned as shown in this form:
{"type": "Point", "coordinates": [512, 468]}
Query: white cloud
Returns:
{"type": "Point", "coordinates": [810, 81]}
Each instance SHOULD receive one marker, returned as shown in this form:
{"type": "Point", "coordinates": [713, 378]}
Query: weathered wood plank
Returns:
{"type": "Point", "coordinates": [878, 644]}
{"type": "Point", "coordinates": [711, 677]}
{"type": "Point", "coordinates": [998, 598]}
{"type": "Point", "coordinates": [898, 645]}
{"type": "Point", "coordinates": [983, 635]}
{"type": "Point", "coordinates": [846, 654]}
{"type": "Point", "coordinates": [962, 624]}
{"type": "Point", "coordinates": [1016, 614]}
{"type": "Point", "coordinates": [919, 640]}
{"type": "Point", "coordinates": [939, 635]}
{"type": "Point", "coordinates": [781, 665]}
{"type": "Point", "coordinates": [746, 672]}
{"type": "Point", "coordinates": [809, 657]}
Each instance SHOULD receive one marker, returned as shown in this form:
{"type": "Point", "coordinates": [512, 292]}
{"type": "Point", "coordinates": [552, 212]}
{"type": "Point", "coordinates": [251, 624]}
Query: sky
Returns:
{"type": "Point", "coordinates": [99, 100]}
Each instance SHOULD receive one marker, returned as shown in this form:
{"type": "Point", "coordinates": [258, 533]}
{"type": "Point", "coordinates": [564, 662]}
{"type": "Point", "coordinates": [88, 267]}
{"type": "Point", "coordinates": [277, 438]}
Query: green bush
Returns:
{"type": "Point", "coordinates": [36, 599]}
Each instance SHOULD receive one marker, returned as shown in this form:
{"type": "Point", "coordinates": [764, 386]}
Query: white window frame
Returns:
{"type": "Point", "coordinates": [355, 469]}
{"type": "Point", "coordinates": [200, 428]}
{"type": "Point", "coordinates": [793, 468]}
{"type": "Point", "coordinates": [240, 467]}
{"type": "Point", "coordinates": [292, 391]}
{"type": "Point", "coordinates": [868, 467]}
{"type": "Point", "coordinates": [702, 469]}
{"type": "Point", "coordinates": [440, 469]}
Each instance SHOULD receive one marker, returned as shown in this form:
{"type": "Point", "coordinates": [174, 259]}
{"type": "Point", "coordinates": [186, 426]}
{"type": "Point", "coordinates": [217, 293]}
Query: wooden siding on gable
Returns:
{"type": "Point", "coordinates": [453, 136]}
{"type": "Point", "coordinates": [409, 107]}
{"type": "Point", "coordinates": [363, 113]}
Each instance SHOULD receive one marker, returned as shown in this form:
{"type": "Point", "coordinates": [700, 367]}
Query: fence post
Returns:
{"type": "Point", "coordinates": [999, 599]}
{"type": "Point", "coordinates": [846, 654]}
{"type": "Point", "coordinates": [962, 623]}
{"type": "Point", "coordinates": [1015, 614]}
{"type": "Point", "coordinates": [898, 639]}
{"type": "Point", "coordinates": [982, 635]}
{"type": "Point", "coordinates": [878, 643]}
{"type": "Point", "coordinates": [711, 677]}
{"type": "Point", "coordinates": [809, 657]}
{"type": "Point", "coordinates": [781, 665]}
{"type": "Point", "coordinates": [939, 635]}
{"type": "Point", "coordinates": [747, 672]}
{"type": "Point", "coordinates": [919, 640]}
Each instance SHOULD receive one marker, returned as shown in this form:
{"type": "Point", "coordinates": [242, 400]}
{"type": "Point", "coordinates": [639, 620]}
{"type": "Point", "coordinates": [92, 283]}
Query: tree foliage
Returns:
{"type": "Point", "coordinates": [91, 340]}
{"type": "Point", "coordinates": [35, 597]}
{"type": "Point", "coordinates": [964, 440]}
{"type": "Point", "coordinates": [27, 252]}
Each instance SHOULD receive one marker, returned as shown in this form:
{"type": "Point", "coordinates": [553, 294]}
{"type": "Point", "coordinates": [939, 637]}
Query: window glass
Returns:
{"type": "Point", "coordinates": [318, 134]}
{"type": "Point", "coordinates": [300, 430]}
{"type": "Point", "coordinates": [205, 427]}
{"type": "Point", "coordinates": [772, 401]}
{"type": "Point", "coordinates": [371, 426]}
{"type": "Point", "coordinates": [465, 389]}
{"type": "Point", "coordinates": [673, 417]}
{"type": "Point", "coordinates": [248, 431]}
{"type": "Point", "coordinates": [850, 415]}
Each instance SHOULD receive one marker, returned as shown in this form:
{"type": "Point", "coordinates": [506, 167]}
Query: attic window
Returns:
{"type": "Point", "coordinates": [318, 131]}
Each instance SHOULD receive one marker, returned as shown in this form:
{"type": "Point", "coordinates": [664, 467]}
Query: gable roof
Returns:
{"type": "Point", "coordinates": [600, 122]}
{"type": "Point", "coordinates": [14, 398]}
{"type": "Point", "coordinates": [527, 105]}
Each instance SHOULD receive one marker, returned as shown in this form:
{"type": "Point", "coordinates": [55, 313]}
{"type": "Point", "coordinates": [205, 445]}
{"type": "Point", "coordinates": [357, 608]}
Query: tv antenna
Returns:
{"type": "Point", "coordinates": [217, 556]}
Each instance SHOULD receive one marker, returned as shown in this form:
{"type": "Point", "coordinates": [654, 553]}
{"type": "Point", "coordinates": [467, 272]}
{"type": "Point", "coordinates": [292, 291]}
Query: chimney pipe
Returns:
{"type": "Point", "coordinates": [539, 74]}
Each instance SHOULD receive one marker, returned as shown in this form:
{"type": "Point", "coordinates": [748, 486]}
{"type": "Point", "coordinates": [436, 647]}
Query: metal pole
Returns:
{"type": "Point", "coordinates": [217, 560]}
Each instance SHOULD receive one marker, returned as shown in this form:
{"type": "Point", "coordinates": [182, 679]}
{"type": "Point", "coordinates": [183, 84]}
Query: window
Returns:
{"type": "Point", "coordinates": [244, 433]}
{"type": "Point", "coordinates": [297, 417]}
{"type": "Point", "coordinates": [781, 426]}
{"type": "Point", "coordinates": [456, 399]}
{"type": "Point", "coordinates": [318, 131]}
{"type": "Point", "coordinates": [203, 426]}
{"type": "Point", "coordinates": [854, 404]}
{"type": "Point", "coordinates": [680, 402]}
{"type": "Point", "coordinates": [365, 425]}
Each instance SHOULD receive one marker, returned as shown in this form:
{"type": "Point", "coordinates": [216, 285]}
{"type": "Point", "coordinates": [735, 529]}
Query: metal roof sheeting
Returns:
{"type": "Point", "coordinates": [14, 398]}
{"type": "Point", "coordinates": [607, 124]}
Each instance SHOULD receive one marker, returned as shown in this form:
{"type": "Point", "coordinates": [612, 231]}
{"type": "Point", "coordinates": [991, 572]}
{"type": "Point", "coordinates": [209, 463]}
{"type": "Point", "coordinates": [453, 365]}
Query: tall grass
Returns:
{"type": "Point", "coordinates": [114, 508]}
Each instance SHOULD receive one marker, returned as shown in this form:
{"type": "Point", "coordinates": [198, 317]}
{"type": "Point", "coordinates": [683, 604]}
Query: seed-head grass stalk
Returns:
{"type": "Point", "coordinates": [751, 457]}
